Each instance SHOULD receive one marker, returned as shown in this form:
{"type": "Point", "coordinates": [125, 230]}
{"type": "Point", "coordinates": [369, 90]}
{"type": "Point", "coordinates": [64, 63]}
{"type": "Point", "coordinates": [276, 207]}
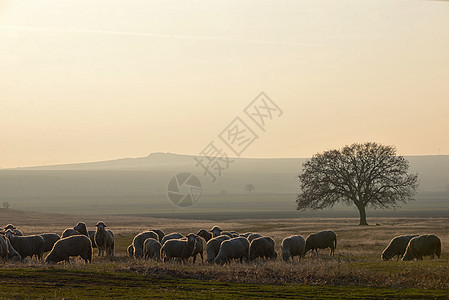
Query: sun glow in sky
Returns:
{"type": "Point", "coordinates": [94, 80]}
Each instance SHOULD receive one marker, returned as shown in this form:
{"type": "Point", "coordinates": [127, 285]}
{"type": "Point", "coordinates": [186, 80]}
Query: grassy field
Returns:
{"type": "Point", "coordinates": [356, 271]}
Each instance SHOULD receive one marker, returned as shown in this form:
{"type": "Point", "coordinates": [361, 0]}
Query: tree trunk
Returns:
{"type": "Point", "coordinates": [362, 215]}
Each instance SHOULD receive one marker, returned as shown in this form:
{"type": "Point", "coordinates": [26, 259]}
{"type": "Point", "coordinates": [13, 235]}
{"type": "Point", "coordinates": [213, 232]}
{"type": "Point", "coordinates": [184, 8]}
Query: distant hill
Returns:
{"type": "Point", "coordinates": [138, 185]}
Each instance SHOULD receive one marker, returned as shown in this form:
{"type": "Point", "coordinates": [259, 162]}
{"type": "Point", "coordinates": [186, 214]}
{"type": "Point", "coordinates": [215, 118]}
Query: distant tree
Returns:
{"type": "Point", "coordinates": [368, 174]}
{"type": "Point", "coordinates": [249, 188]}
{"type": "Point", "coordinates": [6, 205]}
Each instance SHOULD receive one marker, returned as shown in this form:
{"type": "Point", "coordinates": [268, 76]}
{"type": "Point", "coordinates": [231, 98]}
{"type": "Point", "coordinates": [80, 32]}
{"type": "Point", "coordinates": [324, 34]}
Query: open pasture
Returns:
{"type": "Point", "coordinates": [356, 270]}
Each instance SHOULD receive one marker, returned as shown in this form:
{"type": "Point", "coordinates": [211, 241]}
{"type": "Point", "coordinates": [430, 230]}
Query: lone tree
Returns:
{"type": "Point", "coordinates": [360, 174]}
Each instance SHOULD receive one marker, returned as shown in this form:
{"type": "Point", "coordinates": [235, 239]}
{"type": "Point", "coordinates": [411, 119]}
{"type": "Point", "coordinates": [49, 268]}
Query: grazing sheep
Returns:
{"type": "Point", "coordinates": [50, 239]}
{"type": "Point", "coordinates": [138, 242]}
{"type": "Point", "coordinates": [423, 245]}
{"type": "Point", "coordinates": [205, 235]}
{"type": "Point", "coordinates": [3, 248]}
{"type": "Point", "coordinates": [293, 246]}
{"type": "Point", "coordinates": [13, 228]}
{"type": "Point", "coordinates": [179, 248]}
{"type": "Point", "coordinates": [235, 233]}
{"type": "Point", "coordinates": [76, 245]}
{"type": "Point", "coordinates": [27, 245]}
{"type": "Point", "coordinates": [104, 240]}
{"type": "Point", "coordinates": [80, 228]}
{"type": "Point", "coordinates": [397, 247]}
{"type": "Point", "coordinates": [200, 244]}
{"type": "Point", "coordinates": [321, 240]}
{"type": "Point", "coordinates": [216, 231]}
{"type": "Point", "coordinates": [92, 238]}
{"type": "Point", "coordinates": [262, 247]}
{"type": "Point", "coordinates": [171, 236]}
{"type": "Point", "coordinates": [159, 233]}
{"type": "Point", "coordinates": [213, 247]}
{"type": "Point", "coordinates": [152, 249]}
{"type": "Point", "coordinates": [130, 250]}
{"type": "Point", "coordinates": [253, 236]}
{"type": "Point", "coordinates": [235, 248]}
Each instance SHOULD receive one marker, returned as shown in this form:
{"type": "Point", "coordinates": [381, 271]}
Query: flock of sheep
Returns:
{"type": "Point", "coordinates": [221, 246]}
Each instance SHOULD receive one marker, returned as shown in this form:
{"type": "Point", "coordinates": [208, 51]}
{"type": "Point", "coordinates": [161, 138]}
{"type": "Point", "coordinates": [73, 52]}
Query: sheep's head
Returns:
{"type": "Point", "coordinates": [101, 226]}
{"type": "Point", "coordinates": [9, 233]}
{"type": "Point", "coordinates": [216, 231]}
{"type": "Point", "coordinates": [81, 228]}
{"type": "Point", "coordinates": [10, 226]}
{"type": "Point", "coordinates": [130, 250]}
{"type": "Point", "coordinates": [191, 238]}
{"type": "Point", "coordinates": [386, 255]}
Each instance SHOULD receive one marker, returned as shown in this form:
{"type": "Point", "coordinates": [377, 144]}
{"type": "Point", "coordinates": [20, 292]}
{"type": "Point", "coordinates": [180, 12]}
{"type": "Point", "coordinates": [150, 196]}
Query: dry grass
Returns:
{"type": "Point", "coordinates": [357, 260]}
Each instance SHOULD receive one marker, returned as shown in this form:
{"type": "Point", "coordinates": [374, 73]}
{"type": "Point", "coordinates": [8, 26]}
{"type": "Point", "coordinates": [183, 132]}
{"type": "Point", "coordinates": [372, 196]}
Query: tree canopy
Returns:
{"type": "Point", "coordinates": [368, 174]}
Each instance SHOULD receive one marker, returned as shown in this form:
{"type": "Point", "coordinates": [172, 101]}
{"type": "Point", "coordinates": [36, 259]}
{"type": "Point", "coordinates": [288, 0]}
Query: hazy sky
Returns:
{"type": "Point", "coordinates": [87, 80]}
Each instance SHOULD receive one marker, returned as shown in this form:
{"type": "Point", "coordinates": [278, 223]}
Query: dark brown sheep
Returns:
{"type": "Point", "coordinates": [140, 239]}
{"type": "Point", "coordinates": [27, 245]}
{"type": "Point", "coordinates": [213, 247]}
{"type": "Point", "coordinates": [321, 240]}
{"type": "Point", "coordinates": [423, 245]}
{"type": "Point", "coordinates": [76, 245]}
{"type": "Point", "coordinates": [262, 247]}
{"type": "Point", "coordinates": [235, 248]}
{"type": "Point", "coordinates": [293, 246]}
{"type": "Point", "coordinates": [397, 247]}
{"type": "Point", "coordinates": [179, 248]}
{"type": "Point", "coordinates": [205, 234]}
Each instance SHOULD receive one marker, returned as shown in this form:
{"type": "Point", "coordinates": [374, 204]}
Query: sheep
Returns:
{"type": "Point", "coordinates": [200, 244]}
{"type": "Point", "coordinates": [171, 236]}
{"type": "Point", "coordinates": [179, 248]}
{"type": "Point", "coordinates": [3, 248]}
{"type": "Point", "coordinates": [159, 233]}
{"type": "Point", "coordinates": [230, 234]}
{"type": "Point", "coordinates": [216, 231]}
{"type": "Point", "coordinates": [13, 228]}
{"type": "Point", "coordinates": [80, 228]}
{"type": "Point", "coordinates": [152, 249]}
{"type": "Point", "coordinates": [262, 247]}
{"type": "Point", "coordinates": [130, 250]}
{"type": "Point", "coordinates": [104, 240]}
{"type": "Point", "coordinates": [205, 235]}
{"type": "Point", "coordinates": [321, 240]}
{"type": "Point", "coordinates": [12, 253]}
{"type": "Point", "coordinates": [427, 244]}
{"type": "Point", "coordinates": [293, 246]}
{"type": "Point", "coordinates": [76, 245]}
{"type": "Point", "coordinates": [50, 239]}
{"type": "Point", "coordinates": [246, 235]}
{"type": "Point", "coordinates": [138, 242]}
{"type": "Point", "coordinates": [27, 245]}
{"type": "Point", "coordinates": [235, 248]}
{"type": "Point", "coordinates": [397, 247]}
{"type": "Point", "coordinates": [235, 233]}
{"type": "Point", "coordinates": [253, 236]}
{"type": "Point", "coordinates": [213, 247]}
{"type": "Point", "coordinates": [92, 237]}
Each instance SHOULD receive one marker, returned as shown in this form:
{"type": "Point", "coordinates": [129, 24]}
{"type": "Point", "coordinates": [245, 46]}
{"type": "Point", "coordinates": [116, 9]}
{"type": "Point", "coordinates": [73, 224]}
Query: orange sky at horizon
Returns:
{"type": "Point", "coordinates": [96, 80]}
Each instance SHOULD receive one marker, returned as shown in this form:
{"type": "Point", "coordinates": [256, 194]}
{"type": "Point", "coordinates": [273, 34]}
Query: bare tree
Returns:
{"type": "Point", "coordinates": [5, 205]}
{"type": "Point", "coordinates": [368, 174]}
{"type": "Point", "coordinates": [249, 188]}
